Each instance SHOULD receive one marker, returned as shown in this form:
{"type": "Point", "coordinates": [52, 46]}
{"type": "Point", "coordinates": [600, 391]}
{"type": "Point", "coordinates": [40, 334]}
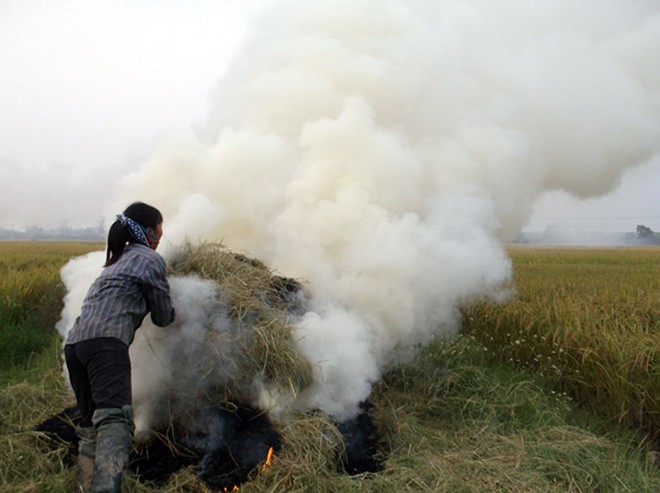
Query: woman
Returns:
{"type": "Point", "coordinates": [132, 284]}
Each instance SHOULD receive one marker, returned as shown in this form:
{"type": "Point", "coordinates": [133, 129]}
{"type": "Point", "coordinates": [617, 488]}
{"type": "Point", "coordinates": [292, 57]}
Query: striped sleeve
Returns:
{"type": "Point", "coordinates": [157, 293]}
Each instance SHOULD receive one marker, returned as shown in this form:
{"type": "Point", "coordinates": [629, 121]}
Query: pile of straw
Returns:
{"type": "Point", "coordinates": [261, 305]}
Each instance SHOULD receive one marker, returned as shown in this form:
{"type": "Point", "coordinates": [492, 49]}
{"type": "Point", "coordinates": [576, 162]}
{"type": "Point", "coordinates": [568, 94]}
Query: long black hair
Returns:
{"type": "Point", "coordinates": [119, 235]}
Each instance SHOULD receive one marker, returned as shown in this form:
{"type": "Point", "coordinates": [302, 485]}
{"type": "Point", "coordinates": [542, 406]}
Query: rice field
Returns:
{"type": "Point", "coordinates": [31, 296]}
{"type": "Point", "coordinates": [587, 321]}
{"type": "Point", "coordinates": [555, 390]}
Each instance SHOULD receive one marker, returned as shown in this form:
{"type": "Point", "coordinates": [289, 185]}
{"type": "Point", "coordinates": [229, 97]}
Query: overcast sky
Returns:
{"type": "Point", "coordinates": [86, 87]}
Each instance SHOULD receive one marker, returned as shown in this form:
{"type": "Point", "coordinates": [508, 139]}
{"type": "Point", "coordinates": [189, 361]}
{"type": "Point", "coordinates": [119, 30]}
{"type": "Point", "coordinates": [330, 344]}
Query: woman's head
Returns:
{"type": "Point", "coordinates": [139, 223]}
{"type": "Point", "coordinates": [144, 214]}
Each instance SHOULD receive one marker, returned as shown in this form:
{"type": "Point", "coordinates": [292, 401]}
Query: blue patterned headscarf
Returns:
{"type": "Point", "coordinates": [135, 229]}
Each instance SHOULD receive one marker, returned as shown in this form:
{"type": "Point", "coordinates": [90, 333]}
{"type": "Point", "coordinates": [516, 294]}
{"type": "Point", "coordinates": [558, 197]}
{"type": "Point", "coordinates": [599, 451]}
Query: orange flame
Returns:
{"type": "Point", "coordinates": [264, 468]}
{"type": "Point", "coordinates": [269, 460]}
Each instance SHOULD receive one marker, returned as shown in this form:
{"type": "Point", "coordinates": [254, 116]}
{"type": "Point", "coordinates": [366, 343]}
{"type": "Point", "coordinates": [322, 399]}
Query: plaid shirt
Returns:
{"type": "Point", "coordinates": [122, 295]}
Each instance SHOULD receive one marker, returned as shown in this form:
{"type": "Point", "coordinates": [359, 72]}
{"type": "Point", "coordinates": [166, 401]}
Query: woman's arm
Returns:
{"type": "Point", "coordinates": [157, 292]}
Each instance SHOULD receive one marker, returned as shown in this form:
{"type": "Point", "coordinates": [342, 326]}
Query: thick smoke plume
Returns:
{"type": "Point", "coordinates": [381, 151]}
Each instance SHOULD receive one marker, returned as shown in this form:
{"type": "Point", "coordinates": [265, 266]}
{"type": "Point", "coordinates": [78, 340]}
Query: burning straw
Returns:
{"type": "Point", "coordinates": [260, 305]}
{"type": "Point", "coordinates": [311, 445]}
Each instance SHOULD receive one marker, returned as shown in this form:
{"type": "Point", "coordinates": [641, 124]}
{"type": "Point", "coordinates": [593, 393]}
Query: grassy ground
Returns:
{"type": "Point", "coordinates": [476, 414]}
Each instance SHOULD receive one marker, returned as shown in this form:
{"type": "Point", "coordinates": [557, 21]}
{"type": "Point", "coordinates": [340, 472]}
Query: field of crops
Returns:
{"type": "Point", "coordinates": [589, 322]}
{"type": "Point", "coordinates": [31, 295]}
{"type": "Point", "coordinates": [556, 390]}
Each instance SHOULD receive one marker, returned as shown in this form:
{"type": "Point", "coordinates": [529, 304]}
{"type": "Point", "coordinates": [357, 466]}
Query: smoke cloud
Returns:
{"type": "Point", "coordinates": [382, 150]}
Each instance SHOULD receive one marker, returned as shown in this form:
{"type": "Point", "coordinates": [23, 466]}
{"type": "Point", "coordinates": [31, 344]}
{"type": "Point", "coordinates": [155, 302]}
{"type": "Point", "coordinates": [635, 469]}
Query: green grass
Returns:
{"type": "Point", "coordinates": [448, 422]}
{"type": "Point", "coordinates": [475, 414]}
{"type": "Point", "coordinates": [490, 428]}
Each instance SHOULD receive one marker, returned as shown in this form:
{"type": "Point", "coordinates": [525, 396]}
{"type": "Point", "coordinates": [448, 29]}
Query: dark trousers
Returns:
{"type": "Point", "coordinates": [100, 375]}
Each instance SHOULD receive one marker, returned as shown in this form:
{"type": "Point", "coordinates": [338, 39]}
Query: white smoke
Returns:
{"type": "Point", "coordinates": [381, 150]}
{"type": "Point", "coordinates": [174, 369]}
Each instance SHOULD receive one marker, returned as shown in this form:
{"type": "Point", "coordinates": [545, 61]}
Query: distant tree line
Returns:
{"type": "Point", "coordinates": [646, 235]}
{"type": "Point", "coordinates": [643, 235]}
{"type": "Point", "coordinates": [34, 233]}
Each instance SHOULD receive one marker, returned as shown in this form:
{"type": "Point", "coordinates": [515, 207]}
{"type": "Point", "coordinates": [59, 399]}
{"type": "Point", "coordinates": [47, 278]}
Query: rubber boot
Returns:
{"type": "Point", "coordinates": [114, 435]}
{"type": "Point", "coordinates": [86, 449]}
